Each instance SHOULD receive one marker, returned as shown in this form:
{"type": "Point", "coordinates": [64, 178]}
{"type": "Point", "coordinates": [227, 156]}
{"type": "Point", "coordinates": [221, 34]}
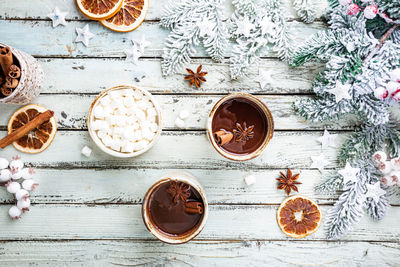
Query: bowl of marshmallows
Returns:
{"type": "Point", "coordinates": [124, 121]}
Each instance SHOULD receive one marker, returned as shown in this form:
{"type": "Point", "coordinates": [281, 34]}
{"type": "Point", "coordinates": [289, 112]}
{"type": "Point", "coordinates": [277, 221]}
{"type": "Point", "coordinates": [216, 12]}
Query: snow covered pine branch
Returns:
{"type": "Point", "coordinates": [361, 51]}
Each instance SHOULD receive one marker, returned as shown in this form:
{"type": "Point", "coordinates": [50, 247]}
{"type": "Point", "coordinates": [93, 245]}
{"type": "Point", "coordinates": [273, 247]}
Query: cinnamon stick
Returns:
{"type": "Point", "coordinates": [194, 207]}
{"type": "Point", "coordinates": [11, 83]}
{"type": "Point", "coordinates": [5, 90]}
{"type": "Point", "coordinates": [14, 72]}
{"type": "Point", "coordinates": [6, 59]}
{"type": "Point", "coordinates": [222, 137]}
{"type": "Point", "coordinates": [24, 130]}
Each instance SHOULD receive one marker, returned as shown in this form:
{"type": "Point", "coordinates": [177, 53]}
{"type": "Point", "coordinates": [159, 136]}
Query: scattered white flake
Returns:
{"type": "Point", "coordinates": [250, 180]}
{"type": "Point", "coordinates": [86, 151]}
{"type": "Point", "coordinates": [179, 122]}
{"type": "Point", "coordinates": [183, 114]}
{"type": "Point", "coordinates": [57, 17]}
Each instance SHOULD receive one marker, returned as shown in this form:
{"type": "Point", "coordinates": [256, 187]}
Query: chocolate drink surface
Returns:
{"type": "Point", "coordinates": [245, 120]}
{"type": "Point", "coordinates": [168, 208]}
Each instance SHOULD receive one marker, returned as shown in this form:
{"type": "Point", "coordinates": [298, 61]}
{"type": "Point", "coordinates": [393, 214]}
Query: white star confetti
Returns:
{"type": "Point", "coordinates": [142, 44]}
{"type": "Point", "coordinates": [349, 173]}
{"type": "Point", "coordinates": [327, 140]}
{"type": "Point", "coordinates": [133, 54]}
{"type": "Point", "coordinates": [264, 77]}
{"type": "Point", "coordinates": [84, 35]}
{"type": "Point", "coordinates": [244, 27]}
{"type": "Point", "coordinates": [375, 191]}
{"type": "Point", "coordinates": [341, 91]}
{"type": "Point", "coordinates": [319, 162]}
{"type": "Point", "coordinates": [58, 17]}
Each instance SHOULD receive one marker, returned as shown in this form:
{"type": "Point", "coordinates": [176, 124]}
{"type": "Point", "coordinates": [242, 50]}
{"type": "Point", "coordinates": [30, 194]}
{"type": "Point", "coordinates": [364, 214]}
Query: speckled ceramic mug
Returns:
{"type": "Point", "coordinates": [30, 82]}
{"type": "Point", "coordinates": [168, 238]}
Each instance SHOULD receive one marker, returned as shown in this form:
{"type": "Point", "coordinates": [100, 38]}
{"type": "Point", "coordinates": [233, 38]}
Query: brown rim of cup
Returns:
{"type": "Point", "coordinates": [162, 236]}
{"type": "Point", "coordinates": [268, 137]}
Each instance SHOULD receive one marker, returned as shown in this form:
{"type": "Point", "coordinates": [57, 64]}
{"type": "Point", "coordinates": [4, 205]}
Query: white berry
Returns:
{"type": "Point", "coordinates": [250, 180]}
{"type": "Point", "coordinates": [22, 194]}
{"type": "Point", "coordinates": [14, 212]}
{"type": "Point", "coordinates": [385, 167]}
{"type": "Point", "coordinates": [27, 173]}
{"type": "Point", "coordinates": [29, 185]}
{"type": "Point", "coordinates": [16, 163]}
{"type": "Point", "coordinates": [379, 156]}
{"type": "Point", "coordinates": [5, 175]}
{"type": "Point", "coordinates": [395, 164]}
{"type": "Point", "coordinates": [24, 204]}
{"type": "Point", "coordinates": [13, 187]}
{"type": "Point", "coordinates": [3, 163]}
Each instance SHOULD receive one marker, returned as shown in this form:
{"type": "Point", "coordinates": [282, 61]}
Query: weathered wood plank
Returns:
{"type": "Point", "coordinates": [40, 39]}
{"type": "Point", "coordinates": [246, 222]}
{"type": "Point", "coordinates": [108, 72]}
{"type": "Point", "coordinates": [129, 186]}
{"type": "Point", "coordinates": [74, 116]}
{"type": "Point", "coordinates": [189, 150]}
{"type": "Point", "coordinates": [199, 253]}
{"type": "Point", "coordinates": [11, 9]}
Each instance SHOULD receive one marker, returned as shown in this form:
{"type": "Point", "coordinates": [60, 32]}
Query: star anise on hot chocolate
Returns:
{"type": "Point", "coordinates": [243, 133]}
{"type": "Point", "coordinates": [288, 182]}
{"type": "Point", "coordinates": [179, 191]}
{"type": "Point", "coordinates": [196, 78]}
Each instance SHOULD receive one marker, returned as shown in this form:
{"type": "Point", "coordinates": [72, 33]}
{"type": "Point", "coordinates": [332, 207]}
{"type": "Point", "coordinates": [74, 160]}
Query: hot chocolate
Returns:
{"type": "Point", "coordinates": [239, 126]}
{"type": "Point", "coordinates": [175, 208]}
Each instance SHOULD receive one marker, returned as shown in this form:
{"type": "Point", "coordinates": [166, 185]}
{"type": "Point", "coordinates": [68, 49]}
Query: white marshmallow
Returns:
{"type": "Point", "coordinates": [137, 94]}
{"type": "Point", "coordinates": [179, 122]}
{"type": "Point", "coordinates": [126, 92]}
{"type": "Point", "coordinates": [105, 100]}
{"type": "Point", "coordinates": [151, 112]}
{"type": "Point", "coordinates": [116, 145]}
{"type": "Point", "coordinates": [151, 119]}
{"type": "Point", "coordinates": [86, 151]}
{"type": "Point", "coordinates": [129, 102]}
{"type": "Point", "coordinates": [128, 147]}
{"type": "Point", "coordinates": [114, 94]}
{"type": "Point", "coordinates": [142, 144]}
{"type": "Point", "coordinates": [154, 127]}
{"type": "Point", "coordinates": [250, 180]}
{"type": "Point", "coordinates": [128, 133]}
{"type": "Point", "coordinates": [100, 125]}
{"type": "Point", "coordinates": [147, 134]}
{"type": "Point", "coordinates": [116, 104]}
{"type": "Point", "coordinates": [101, 134]}
{"type": "Point", "coordinates": [184, 114]}
{"type": "Point", "coordinates": [142, 104]}
{"type": "Point", "coordinates": [135, 126]}
{"type": "Point", "coordinates": [140, 115]}
{"type": "Point", "coordinates": [107, 141]}
{"type": "Point", "coordinates": [137, 135]}
{"type": "Point", "coordinates": [108, 111]}
{"type": "Point", "coordinates": [98, 112]}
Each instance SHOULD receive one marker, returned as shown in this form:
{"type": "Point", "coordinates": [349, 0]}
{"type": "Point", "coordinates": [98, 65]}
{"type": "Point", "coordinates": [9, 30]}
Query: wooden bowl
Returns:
{"type": "Point", "coordinates": [97, 140]}
{"type": "Point", "coordinates": [164, 237]}
{"type": "Point", "coordinates": [270, 126]}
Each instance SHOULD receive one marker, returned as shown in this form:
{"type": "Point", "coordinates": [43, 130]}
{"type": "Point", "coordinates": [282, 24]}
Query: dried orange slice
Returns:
{"type": "Point", "coordinates": [99, 9]}
{"type": "Point", "coordinates": [298, 216]}
{"type": "Point", "coordinates": [129, 17]}
{"type": "Point", "coordinates": [38, 139]}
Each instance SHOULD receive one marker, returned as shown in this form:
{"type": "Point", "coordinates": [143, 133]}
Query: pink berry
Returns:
{"type": "Point", "coordinates": [370, 11]}
{"type": "Point", "coordinates": [381, 93]}
{"type": "Point", "coordinates": [379, 156]}
{"type": "Point", "coordinates": [352, 9]}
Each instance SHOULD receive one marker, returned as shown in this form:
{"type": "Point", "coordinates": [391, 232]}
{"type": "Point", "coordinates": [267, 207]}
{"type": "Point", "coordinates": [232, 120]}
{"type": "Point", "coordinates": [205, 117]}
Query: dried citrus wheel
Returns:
{"type": "Point", "coordinates": [99, 9]}
{"type": "Point", "coordinates": [299, 216]}
{"type": "Point", "coordinates": [39, 138]}
{"type": "Point", "coordinates": [129, 17]}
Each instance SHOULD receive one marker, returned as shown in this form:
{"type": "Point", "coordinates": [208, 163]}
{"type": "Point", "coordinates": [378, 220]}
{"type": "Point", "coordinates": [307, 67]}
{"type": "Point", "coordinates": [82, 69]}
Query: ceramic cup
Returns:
{"type": "Point", "coordinates": [168, 238]}
{"type": "Point", "coordinates": [97, 140]}
{"type": "Point", "coordinates": [265, 111]}
{"type": "Point", "coordinates": [30, 82]}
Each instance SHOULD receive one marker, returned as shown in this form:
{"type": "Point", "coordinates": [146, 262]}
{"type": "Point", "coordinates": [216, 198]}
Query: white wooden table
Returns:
{"type": "Point", "coordinates": [86, 211]}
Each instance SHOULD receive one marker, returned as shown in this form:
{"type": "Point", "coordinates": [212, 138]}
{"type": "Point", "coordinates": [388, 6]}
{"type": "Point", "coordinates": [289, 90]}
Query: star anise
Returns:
{"type": "Point", "coordinates": [243, 133]}
{"type": "Point", "coordinates": [196, 78]}
{"type": "Point", "coordinates": [178, 191]}
{"type": "Point", "coordinates": [288, 182]}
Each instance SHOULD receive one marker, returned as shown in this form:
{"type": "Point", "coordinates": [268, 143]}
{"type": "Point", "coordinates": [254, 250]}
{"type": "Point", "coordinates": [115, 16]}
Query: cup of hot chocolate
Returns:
{"type": "Point", "coordinates": [240, 126]}
{"type": "Point", "coordinates": [175, 208]}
